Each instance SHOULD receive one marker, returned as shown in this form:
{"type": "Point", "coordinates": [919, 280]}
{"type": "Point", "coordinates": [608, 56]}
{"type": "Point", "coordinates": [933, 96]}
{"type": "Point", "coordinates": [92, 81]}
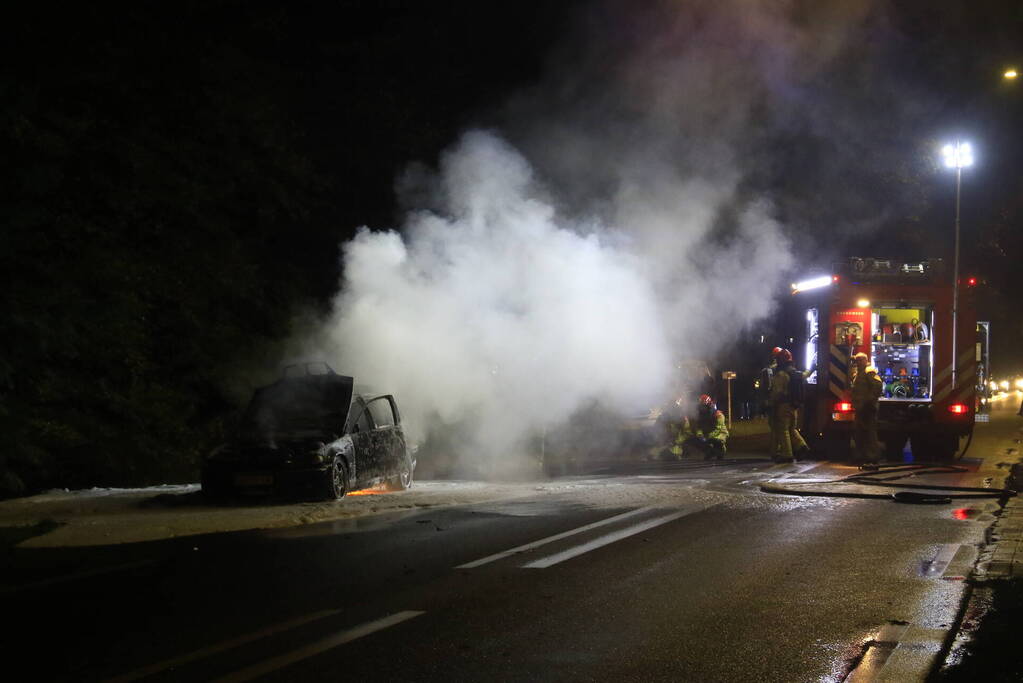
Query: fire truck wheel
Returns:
{"type": "Point", "coordinates": [934, 448]}
{"type": "Point", "coordinates": [948, 446]}
{"type": "Point", "coordinates": [837, 447]}
{"type": "Point", "coordinates": [893, 445]}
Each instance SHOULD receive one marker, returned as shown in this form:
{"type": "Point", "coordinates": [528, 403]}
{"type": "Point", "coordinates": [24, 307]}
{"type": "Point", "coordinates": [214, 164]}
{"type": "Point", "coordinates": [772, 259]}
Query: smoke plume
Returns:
{"type": "Point", "coordinates": [604, 229]}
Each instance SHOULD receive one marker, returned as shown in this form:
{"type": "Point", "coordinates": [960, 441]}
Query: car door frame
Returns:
{"type": "Point", "coordinates": [366, 456]}
{"type": "Point", "coordinates": [389, 439]}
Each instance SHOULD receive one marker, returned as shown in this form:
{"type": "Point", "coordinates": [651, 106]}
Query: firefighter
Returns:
{"type": "Point", "coordinates": [669, 422]}
{"type": "Point", "coordinates": [705, 432]}
{"type": "Point", "coordinates": [764, 395]}
{"type": "Point", "coordinates": [866, 391]}
{"type": "Point", "coordinates": [785, 435]}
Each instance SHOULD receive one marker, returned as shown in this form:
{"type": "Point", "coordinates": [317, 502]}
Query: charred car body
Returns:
{"type": "Point", "coordinates": [310, 434]}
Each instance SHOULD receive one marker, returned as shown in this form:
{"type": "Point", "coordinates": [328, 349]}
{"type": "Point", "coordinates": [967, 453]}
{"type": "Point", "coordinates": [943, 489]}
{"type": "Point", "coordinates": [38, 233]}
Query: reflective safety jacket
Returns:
{"type": "Point", "coordinates": [712, 428]}
{"type": "Point", "coordinates": [780, 387]}
{"type": "Point", "coordinates": [677, 438]}
{"type": "Point", "coordinates": [766, 381]}
{"type": "Point", "coordinates": [866, 388]}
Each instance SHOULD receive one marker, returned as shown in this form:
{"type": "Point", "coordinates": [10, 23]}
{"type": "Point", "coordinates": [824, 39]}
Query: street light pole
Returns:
{"type": "Point", "coordinates": [957, 156]}
{"type": "Point", "coordinates": [729, 375]}
{"type": "Point", "coordinates": [955, 284]}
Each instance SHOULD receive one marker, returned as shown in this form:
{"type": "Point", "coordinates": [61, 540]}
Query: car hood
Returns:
{"type": "Point", "coordinates": [293, 409]}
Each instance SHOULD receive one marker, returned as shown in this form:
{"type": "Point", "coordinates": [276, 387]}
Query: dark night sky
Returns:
{"type": "Point", "coordinates": [367, 87]}
{"type": "Point", "coordinates": [371, 86]}
{"type": "Point", "coordinates": [377, 85]}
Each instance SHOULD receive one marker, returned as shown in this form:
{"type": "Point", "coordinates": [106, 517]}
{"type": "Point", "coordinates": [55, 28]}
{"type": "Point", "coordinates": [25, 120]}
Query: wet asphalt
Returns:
{"type": "Point", "coordinates": [744, 586]}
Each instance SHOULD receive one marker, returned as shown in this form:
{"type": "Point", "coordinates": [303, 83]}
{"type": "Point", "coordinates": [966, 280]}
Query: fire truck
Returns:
{"type": "Point", "coordinates": [899, 313]}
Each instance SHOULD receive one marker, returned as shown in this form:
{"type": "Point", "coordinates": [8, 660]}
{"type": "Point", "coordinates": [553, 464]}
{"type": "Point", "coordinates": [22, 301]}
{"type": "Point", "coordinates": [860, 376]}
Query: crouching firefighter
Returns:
{"type": "Point", "coordinates": [706, 432]}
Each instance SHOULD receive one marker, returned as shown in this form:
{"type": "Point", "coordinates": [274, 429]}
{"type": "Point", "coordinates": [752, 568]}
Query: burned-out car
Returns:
{"type": "Point", "coordinates": [310, 434]}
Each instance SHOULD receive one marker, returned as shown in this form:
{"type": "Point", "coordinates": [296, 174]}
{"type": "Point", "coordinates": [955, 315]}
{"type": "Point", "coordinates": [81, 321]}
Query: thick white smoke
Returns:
{"type": "Point", "coordinates": [492, 313]}
{"type": "Point", "coordinates": [615, 238]}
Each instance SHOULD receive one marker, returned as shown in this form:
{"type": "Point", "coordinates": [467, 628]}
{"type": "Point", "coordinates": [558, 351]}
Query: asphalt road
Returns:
{"type": "Point", "coordinates": [724, 584]}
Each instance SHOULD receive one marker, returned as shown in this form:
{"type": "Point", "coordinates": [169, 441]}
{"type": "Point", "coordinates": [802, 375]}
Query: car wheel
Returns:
{"type": "Point", "coordinates": [403, 481]}
{"type": "Point", "coordinates": [337, 479]}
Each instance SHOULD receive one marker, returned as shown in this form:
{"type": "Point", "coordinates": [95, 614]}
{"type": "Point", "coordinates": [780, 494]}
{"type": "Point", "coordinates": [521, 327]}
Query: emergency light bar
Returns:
{"type": "Point", "coordinates": [814, 283]}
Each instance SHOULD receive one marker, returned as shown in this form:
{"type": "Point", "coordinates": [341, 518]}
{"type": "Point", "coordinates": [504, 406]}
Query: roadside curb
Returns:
{"type": "Point", "coordinates": [1002, 557]}
{"type": "Point", "coordinates": [904, 652]}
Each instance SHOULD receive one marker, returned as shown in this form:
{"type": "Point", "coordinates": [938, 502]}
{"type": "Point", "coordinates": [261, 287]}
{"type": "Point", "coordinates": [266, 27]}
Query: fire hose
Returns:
{"type": "Point", "coordinates": [969, 440]}
{"type": "Point", "coordinates": [871, 476]}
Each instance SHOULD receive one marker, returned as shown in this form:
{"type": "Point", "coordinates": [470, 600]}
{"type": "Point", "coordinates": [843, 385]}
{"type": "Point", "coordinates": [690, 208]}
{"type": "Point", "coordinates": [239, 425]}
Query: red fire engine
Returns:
{"type": "Point", "coordinates": [900, 314]}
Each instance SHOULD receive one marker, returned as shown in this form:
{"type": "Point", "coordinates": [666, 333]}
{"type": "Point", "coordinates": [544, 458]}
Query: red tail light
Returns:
{"type": "Point", "coordinates": [958, 408]}
{"type": "Point", "coordinates": [843, 407]}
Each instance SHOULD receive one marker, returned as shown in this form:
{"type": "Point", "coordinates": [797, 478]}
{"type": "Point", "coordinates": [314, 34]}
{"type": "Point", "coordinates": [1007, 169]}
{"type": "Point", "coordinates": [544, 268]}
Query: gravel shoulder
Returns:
{"type": "Point", "coordinates": [98, 517]}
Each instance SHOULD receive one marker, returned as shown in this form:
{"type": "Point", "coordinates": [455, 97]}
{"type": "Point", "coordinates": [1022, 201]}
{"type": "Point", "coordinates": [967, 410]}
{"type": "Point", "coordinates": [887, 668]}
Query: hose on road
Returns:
{"type": "Point", "coordinates": [871, 475]}
{"type": "Point", "coordinates": [969, 440]}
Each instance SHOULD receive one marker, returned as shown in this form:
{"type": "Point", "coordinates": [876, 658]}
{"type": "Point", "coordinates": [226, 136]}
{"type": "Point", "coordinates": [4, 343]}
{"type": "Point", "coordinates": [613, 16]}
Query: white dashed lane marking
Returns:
{"type": "Point", "coordinates": [607, 539]}
{"type": "Point", "coordinates": [941, 561]}
{"type": "Point", "coordinates": [220, 647]}
{"type": "Point", "coordinates": [551, 539]}
{"type": "Point", "coordinates": [315, 648]}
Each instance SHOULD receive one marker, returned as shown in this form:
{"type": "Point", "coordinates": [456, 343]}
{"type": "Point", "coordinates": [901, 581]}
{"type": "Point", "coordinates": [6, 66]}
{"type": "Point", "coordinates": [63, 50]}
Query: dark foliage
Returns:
{"type": "Point", "coordinates": [183, 174]}
{"type": "Point", "coordinates": [159, 231]}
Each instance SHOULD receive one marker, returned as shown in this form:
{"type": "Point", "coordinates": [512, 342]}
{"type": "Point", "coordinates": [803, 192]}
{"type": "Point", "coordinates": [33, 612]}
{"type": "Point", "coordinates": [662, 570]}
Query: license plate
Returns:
{"type": "Point", "coordinates": [253, 480]}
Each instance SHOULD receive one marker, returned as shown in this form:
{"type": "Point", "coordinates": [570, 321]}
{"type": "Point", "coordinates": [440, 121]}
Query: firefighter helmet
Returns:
{"type": "Point", "coordinates": [782, 355]}
{"type": "Point", "coordinates": [705, 406]}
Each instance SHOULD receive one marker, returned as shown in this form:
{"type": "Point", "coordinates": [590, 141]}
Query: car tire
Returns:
{"type": "Point", "coordinates": [402, 482]}
{"type": "Point", "coordinates": [336, 481]}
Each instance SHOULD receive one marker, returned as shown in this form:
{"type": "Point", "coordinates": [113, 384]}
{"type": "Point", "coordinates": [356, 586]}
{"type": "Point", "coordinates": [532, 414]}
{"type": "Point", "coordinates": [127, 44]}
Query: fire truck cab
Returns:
{"type": "Point", "coordinates": [900, 314]}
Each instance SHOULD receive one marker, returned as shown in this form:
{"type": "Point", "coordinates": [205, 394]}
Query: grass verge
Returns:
{"type": "Point", "coordinates": [11, 536]}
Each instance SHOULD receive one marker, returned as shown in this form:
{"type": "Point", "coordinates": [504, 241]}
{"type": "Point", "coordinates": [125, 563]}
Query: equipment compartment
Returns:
{"type": "Point", "coordinates": [901, 351]}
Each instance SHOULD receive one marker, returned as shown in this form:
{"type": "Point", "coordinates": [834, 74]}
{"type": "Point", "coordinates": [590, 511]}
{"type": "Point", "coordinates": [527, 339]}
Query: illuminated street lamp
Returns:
{"type": "Point", "coordinates": [1010, 74]}
{"type": "Point", "coordinates": [957, 156]}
